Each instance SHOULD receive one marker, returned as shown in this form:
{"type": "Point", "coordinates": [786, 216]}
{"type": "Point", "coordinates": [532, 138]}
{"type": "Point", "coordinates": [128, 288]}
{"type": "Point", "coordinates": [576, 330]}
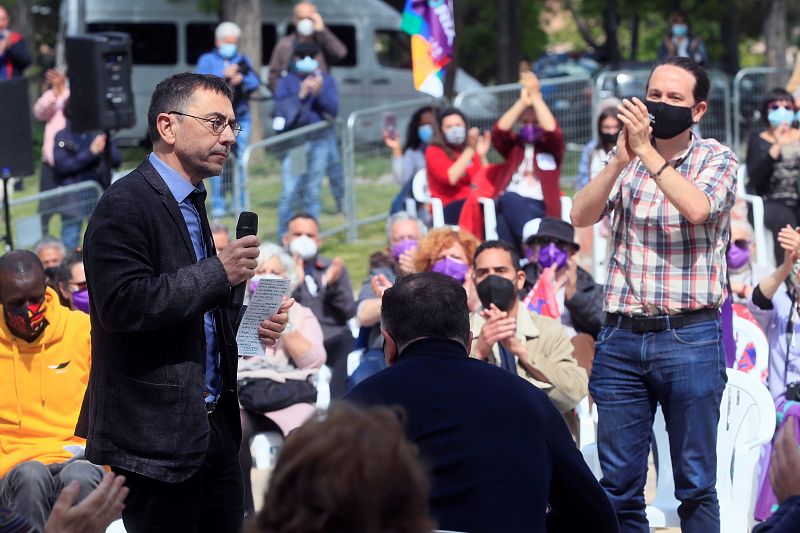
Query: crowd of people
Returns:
{"type": "Point", "coordinates": [123, 393]}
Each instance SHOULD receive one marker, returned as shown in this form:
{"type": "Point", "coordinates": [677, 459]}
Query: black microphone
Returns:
{"type": "Point", "coordinates": [247, 225]}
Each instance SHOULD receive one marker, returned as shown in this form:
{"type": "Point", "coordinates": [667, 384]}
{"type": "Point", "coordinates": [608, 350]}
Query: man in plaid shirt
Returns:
{"type": "Point", "coordinates": [671, 193]}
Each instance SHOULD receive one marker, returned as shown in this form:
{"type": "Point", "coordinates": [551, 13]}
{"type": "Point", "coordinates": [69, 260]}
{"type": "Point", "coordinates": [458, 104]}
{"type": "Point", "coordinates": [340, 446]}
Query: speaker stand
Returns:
{"type": "Point", "coordinates": [7, 210]}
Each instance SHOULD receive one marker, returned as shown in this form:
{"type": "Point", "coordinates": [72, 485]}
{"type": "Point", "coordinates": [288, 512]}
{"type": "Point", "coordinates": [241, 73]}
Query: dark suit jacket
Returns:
{"type": "Point", "coordinates": [498, 451]}
{"type": "Point", "coordinates": [144, 409]}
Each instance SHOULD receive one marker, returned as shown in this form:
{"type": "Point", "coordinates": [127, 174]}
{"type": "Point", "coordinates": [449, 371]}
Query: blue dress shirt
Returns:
{"type": "Point", "coordinates": [181, 189]}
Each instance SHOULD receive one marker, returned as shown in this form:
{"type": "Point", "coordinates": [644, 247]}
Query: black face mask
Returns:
{"type": "Point", "coordinates": [608, 139]}
{"type": "Point", "coordinates": [668, 120]}
{"type": "Point", "coordinates": [497, 290]}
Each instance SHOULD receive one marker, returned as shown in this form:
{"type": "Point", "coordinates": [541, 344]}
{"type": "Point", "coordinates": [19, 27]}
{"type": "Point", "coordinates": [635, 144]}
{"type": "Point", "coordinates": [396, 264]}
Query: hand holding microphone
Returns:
{"type": "Point", "coordinates": [239, 258]}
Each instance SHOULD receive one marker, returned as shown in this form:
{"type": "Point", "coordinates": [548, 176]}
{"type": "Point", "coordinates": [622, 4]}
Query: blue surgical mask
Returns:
{"type": "Point", "coordinates": [307, 65]}
{"type": "Point", "coordinates": [797, 116]}
{"type": "Point", "coordinates": [425, 132]}
{"type": "Point", "coordinates": [680, 30]}
{"type": "Point", "coordinates": [227, 50]}
{"type": "Point", "coordinates": [779, 116]}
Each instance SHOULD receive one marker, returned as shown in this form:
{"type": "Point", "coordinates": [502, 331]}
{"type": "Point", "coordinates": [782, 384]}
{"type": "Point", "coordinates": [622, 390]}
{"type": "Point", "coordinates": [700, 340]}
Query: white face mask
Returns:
{"type": "Point", "coordinates": [305, 27]}
{"type": "Point", "coordinates": [304, 246]}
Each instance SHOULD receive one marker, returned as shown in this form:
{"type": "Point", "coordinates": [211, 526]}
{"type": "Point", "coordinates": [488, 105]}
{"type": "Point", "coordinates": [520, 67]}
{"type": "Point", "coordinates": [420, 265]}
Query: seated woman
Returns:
{"type": "Point", "coordinates": [453, 159]}
{"type": "Point", "coordinates": [297, 356]}
{"type": "Point", "coordinates": [450, 252]}
{"type": "Point", "coordinates": [773, 165]}
{"type": "Point", "coordinates": [743, 271]}
{"type": "Point", "coordinates": [70, 283]}
{"type": "Point", "coordinates": [532, 169]}
{"type": "Point", "coordinates": [409, 159]}
{"type": "Point", "coordinates": [352, 470]}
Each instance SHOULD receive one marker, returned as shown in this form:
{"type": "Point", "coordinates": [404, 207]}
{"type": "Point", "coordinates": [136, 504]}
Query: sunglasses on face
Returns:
{"type": "Point", "coordinates": [773, 107]}
{"type": "Point", "coordinates": [544, 242]}
{"type": "Point", "coordinates": [741, 243]}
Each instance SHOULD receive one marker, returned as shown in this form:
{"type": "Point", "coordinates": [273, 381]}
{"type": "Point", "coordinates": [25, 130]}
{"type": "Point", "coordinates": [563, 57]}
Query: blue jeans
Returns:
{"type": "Point", "coordinates": [335, 169]}
{"type": "Point", "coordinates": [219, 184]}
{"type": "Point", "coordinates": [71, 232]}
{"type": "Point", "coordinates": [305, 187]}
{"type": "Point", "coordinates": [683, 370]}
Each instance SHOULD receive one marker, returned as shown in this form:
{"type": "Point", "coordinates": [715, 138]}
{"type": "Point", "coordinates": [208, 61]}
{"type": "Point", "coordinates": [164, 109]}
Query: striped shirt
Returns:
{"type": "Point", "coordinates": [660, 262]}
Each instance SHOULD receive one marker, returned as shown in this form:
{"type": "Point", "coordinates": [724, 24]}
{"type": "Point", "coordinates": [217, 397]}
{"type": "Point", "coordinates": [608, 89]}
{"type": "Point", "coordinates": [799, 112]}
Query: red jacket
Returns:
{"type": "Point", "coordinates": [507, 143]}
{"type": "Point", "coordinates": [437, 164]}
{"type": "Point", "coordinates": [493, 179]}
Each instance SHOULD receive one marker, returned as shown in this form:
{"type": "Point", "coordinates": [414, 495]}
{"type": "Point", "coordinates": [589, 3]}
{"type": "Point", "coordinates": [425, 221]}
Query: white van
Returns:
{"type": "Point", "coordinates": [170, 35]}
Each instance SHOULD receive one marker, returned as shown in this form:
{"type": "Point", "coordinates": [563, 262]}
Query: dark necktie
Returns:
{"type": "Point", "coordinates": [507, 360]}
{"type": "Point", "coordinates": [198, 199]}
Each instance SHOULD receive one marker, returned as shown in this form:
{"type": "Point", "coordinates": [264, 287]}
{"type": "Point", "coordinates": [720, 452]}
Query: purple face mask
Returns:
{"type": "Point", "coordinates": [738, 257]}
{"type": "Point", "coordinates": [399, 248]}
{"type": "Point", "coordinates": [80, 299]}
{"type": "Point", "coordinates": [553, 255]}
{"type": "Point", "coordinates": [529, 133]}
{"type": "Point", "coordinates": [452, 268]}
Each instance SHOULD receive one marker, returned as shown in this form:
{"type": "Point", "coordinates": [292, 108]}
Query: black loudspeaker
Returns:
{"type": "Point", "coordinates": [99, 68]}
{"type": "Point", "coordinates": [16, 140]}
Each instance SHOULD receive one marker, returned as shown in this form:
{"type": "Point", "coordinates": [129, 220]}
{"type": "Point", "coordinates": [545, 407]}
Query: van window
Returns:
{"type": "Point", "coordinates": [393, 48]}
{"type": "Point", "coordinates": [199, 40]}
{"type": "Point", "coordinates": [152, 43]}
{"type": "Point", "coordinates": [346, 34]}
{"type": "Point", "coordinates": [269, 36]}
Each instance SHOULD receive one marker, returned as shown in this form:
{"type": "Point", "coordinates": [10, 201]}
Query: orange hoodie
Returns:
{"type": "Point", "coordinates": [42, 384]}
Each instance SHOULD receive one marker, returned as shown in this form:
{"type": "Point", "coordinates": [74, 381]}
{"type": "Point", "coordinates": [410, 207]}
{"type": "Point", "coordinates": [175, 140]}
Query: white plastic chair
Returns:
{"type": "Point", "coordinates": [747, 420]}
{"type": "Point", "coordinates": [586, 424]}
{"type": "Point", "coordinates": [566, 207]}
{"type": "Point", "coordinates": [419, 188]}
{"type": "Point", "coordinates": [489, 218]}
{"type": "Point", "coordinates": [746, 332]}
{"type": "Point", "coordinates": [599, 255]}
{"type": "Point", "coordinates": [765, 254]}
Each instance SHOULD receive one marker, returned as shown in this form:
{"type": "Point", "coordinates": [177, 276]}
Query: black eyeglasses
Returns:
{"type": "Point", "coordinates": [741, 243]}
{"type": "Point", "coordinates": [773, 107]}
{"type": "Point", "coordinates": [217, 124]}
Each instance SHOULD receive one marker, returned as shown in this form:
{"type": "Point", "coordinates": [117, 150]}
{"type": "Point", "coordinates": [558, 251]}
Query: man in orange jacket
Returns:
{"type": "Point", "coordinates": [45, 355]}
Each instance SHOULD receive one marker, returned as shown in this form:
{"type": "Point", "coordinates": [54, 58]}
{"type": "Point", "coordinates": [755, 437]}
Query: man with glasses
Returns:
{"type": "Point", "coordinates": [161, 406]}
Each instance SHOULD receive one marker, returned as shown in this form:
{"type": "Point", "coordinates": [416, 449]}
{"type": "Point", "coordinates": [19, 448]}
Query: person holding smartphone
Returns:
{"type": "Point", "coordinates": [408, 159]}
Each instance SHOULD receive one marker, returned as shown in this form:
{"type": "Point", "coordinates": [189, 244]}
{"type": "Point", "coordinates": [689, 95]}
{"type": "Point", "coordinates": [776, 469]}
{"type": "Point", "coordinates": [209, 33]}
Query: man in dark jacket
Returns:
{"type": "Point", "coordinates": [500, 456]}
{"type": "Point", "coordinates": [79, 157]}
{"type": "Point", "coordinates": [305, 96]}
{"type": "Point", "coordinates": [161, 406]}
{"type": "Point", "coordinates": [785, 478]}
{"type": "Point", "coordinates": [14, 56]}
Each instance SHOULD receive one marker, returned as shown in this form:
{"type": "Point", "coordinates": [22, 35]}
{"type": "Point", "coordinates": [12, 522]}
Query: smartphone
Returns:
{"type": "Point", "coordinates": [390, 125]}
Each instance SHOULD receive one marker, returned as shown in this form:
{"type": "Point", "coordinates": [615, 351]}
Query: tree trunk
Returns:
{"type": "Point", "coordinates": [450, 73]}
{"type": "Point", "coordinates": [634, 36]}
{"type": "Point", "coordinates": [612, 44]}
{"type": "Point", "coordinates": [22, 23]}
{"type": "Point", "coordinates": [775, 32]}
{"type": "Point", "coordinates": [580, 22]}
{"type": "Point", "coordinates": [247, 15]}
{"type": "Point", "coordinates": [509, 14]}
{"type": "Point", "coordinates": [730, 39]}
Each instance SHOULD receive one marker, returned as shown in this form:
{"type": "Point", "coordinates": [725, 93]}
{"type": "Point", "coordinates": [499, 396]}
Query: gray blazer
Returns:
{"type": "Point", "coordinates": [144, 409]}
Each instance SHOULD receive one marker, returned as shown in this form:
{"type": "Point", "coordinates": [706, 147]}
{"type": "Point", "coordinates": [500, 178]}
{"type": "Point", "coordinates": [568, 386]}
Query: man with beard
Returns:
{"type": "Point", "coordinates": [671, 193]}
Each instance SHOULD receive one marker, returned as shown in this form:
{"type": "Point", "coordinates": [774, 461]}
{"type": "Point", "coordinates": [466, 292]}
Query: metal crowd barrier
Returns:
{"type": "Point", "coordinates": [368, 161]}
{"type": "Point", "coordinates": [750, 87]}
{"type": "Point", "coordinates": [32, 215]}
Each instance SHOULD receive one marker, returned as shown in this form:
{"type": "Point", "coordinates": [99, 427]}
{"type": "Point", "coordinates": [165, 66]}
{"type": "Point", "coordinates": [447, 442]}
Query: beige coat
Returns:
{"type": "Point", "coordinates": [549, 351]}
